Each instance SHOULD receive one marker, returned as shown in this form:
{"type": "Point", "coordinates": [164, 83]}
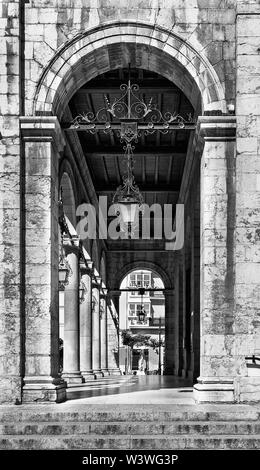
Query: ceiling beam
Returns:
{"type": "Point", "coordinates": [143, 167]}
{"type": "Point", "coordinates": [91, 107]}
{"type": "Point", "coordinates": [111, 87]}
{"type": "Point", "coordinates": [111, 134]}
{"type": "Point", "coordinates": [170, 170]}
{"type": "Point", "coordinates": [156, 174]}
{"type": "Point", "coordinates": [98, 152]}
{"type": "Point", "coordinates": [100, 126]}
{"type": "Point", "coordinates": [105, 170]}
{"type": "Point", "coordinates": [145, 190]}
{"type": "Point", "coordinates": [117, 169]}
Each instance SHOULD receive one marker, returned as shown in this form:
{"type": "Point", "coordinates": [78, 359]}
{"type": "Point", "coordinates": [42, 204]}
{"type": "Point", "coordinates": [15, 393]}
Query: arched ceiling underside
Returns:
{"type": "Point", "coordinates": [159, 158]}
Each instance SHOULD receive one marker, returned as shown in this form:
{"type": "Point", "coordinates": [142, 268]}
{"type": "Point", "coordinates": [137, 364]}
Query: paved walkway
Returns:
{"type": "Point", "coordinates": [144, 389]}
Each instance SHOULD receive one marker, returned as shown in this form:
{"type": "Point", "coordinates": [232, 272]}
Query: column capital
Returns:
{"type": "Point", "coordinates": [85, 269]}
{"type": "Point", "coordinates": [71, 245]}
{"type": "Point", "coordinates": [103, 293]}
{"type": "Point", "coordinates": [42, 128]}
{"type": "Point", "coordinates": [97, 282]}
{"type": "Point", "coordinates": [217, 127]}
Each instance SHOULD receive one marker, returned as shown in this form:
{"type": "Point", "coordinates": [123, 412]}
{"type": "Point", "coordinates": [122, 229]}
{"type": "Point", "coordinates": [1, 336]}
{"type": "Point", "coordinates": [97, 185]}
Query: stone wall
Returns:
{"type": "Point", "coordinates": [208, 26]}
{"type": "Point", "coordinates": [10, 220]}
{"type": "Point", "coordinates": [247, 237]}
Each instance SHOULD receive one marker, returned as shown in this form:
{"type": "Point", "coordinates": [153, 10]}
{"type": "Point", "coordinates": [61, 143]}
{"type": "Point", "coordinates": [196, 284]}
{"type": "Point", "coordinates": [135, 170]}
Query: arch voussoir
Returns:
{"type": "Point", "coordinates": [113, 46]}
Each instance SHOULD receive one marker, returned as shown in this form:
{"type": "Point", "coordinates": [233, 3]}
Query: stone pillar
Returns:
{"type": "Point", "coordinates": [247, 292]}
{"type": "Point", "coordinates": [112, 332]}
{"type": "Point", "coordinates": [196, 284]}
{"type": "Point", "coordinates": [181, 314]}
{"type": "Point", "coordinates": [42, 142]}
{"type": "Point", "coordinates": [96, 346]}
{"type": "Point", "coordinates": [218, 363]}
{"type": "Point", "coordinates": [184, 319]}
{"type": "Point", "coordinates": [85, 327]}
{"type": "Point", "coordinates": [103, 333]}
{"type": "Point", "coordinates": [169, 332]}
{"type": "Point", "coordinates": [176, 317]}
{"type": "Point", "coordinates": [11, 171]}
{"type": "Point", "coordinates": [71, 366]}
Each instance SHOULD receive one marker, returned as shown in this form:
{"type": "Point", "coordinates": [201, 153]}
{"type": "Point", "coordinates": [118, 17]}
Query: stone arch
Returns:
{"type": "Point", "coordinates": [139, 264]}
{"type": "Point", "coordinates": [113, 46]}
{"type": "Point", "coordinates": [67, 184]}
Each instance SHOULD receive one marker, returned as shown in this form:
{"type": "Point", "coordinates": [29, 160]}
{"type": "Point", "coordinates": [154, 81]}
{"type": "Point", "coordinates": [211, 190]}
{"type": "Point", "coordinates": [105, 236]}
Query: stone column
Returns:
{"type": "Point", "coordinates": [85, 327]}
{"type": "Point", "coordinates": [196, 287]}
{"type": "Point", "coordinates": [71, 367]}
{"type": "Point", "coordinates": [112, 332]}
{"type": "Point", "coordinates": [11, 228]}
{"type": "Point", "coordinates": [181, 314]}
{"type": "Point", "coordinates": [247, 292]}
{"type": "Point", "coordinates": [176, 316]}
{"type": "Point", "coordinates": [218, 361]}
{"type": "Point", "coordinates": [169, 332]}
{"type": "Point", "coordinates": [103, 332]}
{"type": "Point", "coordinates": [96, 346]}
{"type": "Point", "coordinates": [42, 142]}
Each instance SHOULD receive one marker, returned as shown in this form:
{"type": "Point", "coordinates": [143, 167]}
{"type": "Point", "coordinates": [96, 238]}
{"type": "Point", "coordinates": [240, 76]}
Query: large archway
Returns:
{"type": "Point", "coordinates": [95, 54]}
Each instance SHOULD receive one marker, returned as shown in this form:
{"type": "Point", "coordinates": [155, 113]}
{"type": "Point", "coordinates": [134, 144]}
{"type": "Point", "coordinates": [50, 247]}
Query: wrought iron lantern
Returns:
{"type": "Point", "coordinates": [141, 314]}
{"type": "Point", "coordinates": [127, 198]}
{"type": "Point", "coordinates": [82, 292]}
{"type": "Point", "coordinates": [133, 117]}
{"type": "Point", "coordinates": [65, 270]}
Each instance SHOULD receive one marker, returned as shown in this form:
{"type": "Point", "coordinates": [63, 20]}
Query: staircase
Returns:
{"type": "Point", "coordinates": [140, 427]}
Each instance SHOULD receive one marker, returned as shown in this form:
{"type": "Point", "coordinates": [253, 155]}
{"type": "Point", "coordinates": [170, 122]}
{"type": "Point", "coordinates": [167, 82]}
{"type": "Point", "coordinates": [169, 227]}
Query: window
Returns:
{"type": "Point", "coordinates": [138, 280]}
{"type": "Point", "coordinates": [134, 309]}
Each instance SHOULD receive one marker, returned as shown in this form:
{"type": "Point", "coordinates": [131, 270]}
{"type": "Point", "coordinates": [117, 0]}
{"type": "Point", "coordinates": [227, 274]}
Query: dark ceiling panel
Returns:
{"type": "Point", "coordinates": [159, 158]}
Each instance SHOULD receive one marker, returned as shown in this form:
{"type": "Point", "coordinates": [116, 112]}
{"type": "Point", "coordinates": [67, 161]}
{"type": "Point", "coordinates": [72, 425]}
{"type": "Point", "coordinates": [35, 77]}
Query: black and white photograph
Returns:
{"type": "Point", "coordinates": [129, 232]}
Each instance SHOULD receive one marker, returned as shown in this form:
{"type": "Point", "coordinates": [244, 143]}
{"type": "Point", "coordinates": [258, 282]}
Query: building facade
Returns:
{"type": "Point", "coordinates": [62, 58]}
{"type": "Point", "coordinates": [150, 303]}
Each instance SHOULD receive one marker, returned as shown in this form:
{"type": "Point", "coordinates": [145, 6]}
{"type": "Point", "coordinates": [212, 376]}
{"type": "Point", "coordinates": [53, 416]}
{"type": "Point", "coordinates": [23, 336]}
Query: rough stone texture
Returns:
{"type": "Point", "coordinates": [131, 427]}
{"type": "Point", "coordinates": [247, 321]}
{"type": "Point", "coordinates": [41, 271]}
{"type": "Point", "coordinates": [220, 359]}
{"type": "Point", "coordinates": [180, 29]}
{"type": "Point", "coordinates": [10, 267]}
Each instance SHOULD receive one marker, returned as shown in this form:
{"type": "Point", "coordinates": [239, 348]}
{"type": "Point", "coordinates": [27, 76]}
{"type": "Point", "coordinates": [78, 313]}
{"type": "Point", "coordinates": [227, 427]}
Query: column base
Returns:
{"type": "Point", "coordinates": [214, 390]}
{"type": "Point", "coordinates": [42, 389]}
{"type": "Point", "coordinates": [105, 372]}
{"type": "Point", "coordinates": [98, 373]}
{"type": "Point", "coordinates": [115, 371]}
{"type": "Point", "coordinates": [72, 377]}
{"type": "Point", "coordinates": [88, 375]}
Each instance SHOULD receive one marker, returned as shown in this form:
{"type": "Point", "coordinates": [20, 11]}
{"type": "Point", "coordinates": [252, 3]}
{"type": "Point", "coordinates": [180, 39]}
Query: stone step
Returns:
{"type": "Point", "coordinates": [148, 414]}
{"type": "Point", "coordinates": [141, 442]}
{"type": "Point", "coordinates": [130, 428]}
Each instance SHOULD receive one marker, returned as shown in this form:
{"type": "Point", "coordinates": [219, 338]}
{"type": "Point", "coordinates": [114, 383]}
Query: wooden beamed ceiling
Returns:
{"type": "Point", "coordinates": [159, 158]}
